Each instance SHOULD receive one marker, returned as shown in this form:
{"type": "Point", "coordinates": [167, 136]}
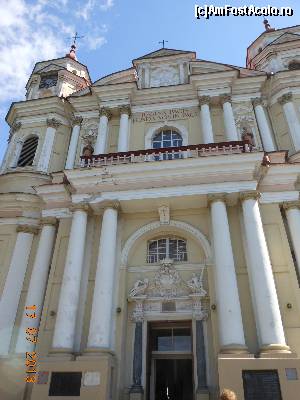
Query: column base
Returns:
{"type": "Point", "coordinates": [234, 349]}
{"type": "Point", "coordinates": [63, 354]}
{"type": "Point", "coordinates": [202, 394]}
{"type": "Point", "coordinates": [275, 349]}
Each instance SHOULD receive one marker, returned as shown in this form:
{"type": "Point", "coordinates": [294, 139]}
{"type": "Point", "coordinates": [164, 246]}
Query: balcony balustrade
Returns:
{"type": "Point", "coordinates": [166, 153]}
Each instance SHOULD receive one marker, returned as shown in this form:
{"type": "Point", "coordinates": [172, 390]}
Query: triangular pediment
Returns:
{"type": "Point", "coordinates": [128, 75]}
{"type": "Point", "coordinates": [49, 68]}
{"type": "Point", "coordinates": [164, 53]}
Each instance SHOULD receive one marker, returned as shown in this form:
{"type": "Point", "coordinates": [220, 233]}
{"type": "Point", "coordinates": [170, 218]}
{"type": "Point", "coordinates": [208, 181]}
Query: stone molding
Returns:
{"type": "Point", "coordinates": [125, 110]}
{"type": "Point", "coordinates": [105, 112]}
{"type": "Point", "coordinates": [48, 221]}
{"type": "Point", "coordinates": [288, 205]}
{"type": "Point", "coordinates": [204, 100]}
{"type": "Point", "coordinates": [253, 194]}
{"type": "Point", "coordinates": [53, 123]}
{"type": "Point", "coordinates": [225, 98]}
{"type": "Point", "coordinates": [80, 207]}
{"type": "Point", "coordinates": [153, 226]}
{"type": "Point", "coordinates": [76, 121]}
{"type": "Point", "coordinates": [28, 229]}
{"type": "Point", "coordinates": [286, 98]}
{"type": "Point", "coordinates": [216, 197]}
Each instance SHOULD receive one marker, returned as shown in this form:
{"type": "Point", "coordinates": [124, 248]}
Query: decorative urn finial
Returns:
{"type": "Point", "coordinates": [72, 52]}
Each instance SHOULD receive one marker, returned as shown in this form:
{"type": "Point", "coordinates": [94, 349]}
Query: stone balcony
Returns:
{"type": "Point", "coordinates": [167, 153]}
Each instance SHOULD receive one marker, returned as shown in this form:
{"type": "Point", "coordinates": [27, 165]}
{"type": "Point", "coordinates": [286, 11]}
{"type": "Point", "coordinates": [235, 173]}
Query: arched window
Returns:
{"type": "Point", "coordinates": [166, 138]}
{"type": "Point", "coordinates": [169, 247]}
{"type": "Point", "coordinates": [28, 151]}
{"type": "Point", "coordinates": [294, 65]}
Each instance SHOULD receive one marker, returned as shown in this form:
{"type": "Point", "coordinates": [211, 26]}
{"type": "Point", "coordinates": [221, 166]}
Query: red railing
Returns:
{"type": "Point", "coordinates": [166, 153]}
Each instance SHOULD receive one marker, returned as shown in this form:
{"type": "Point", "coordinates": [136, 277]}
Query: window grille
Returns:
{"type": "Point", "coordinates": [28, 151]}
{"type": "Point", "coordinates": [172, 248]}
{"type": "Point", "coordinates": [167, 138]}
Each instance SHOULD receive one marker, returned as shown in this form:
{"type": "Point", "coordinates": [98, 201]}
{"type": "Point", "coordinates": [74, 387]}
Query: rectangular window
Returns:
{"type": "Point", "coordinates": [65, 384]}
{"type": "Point", "coordinates": [261, 385]}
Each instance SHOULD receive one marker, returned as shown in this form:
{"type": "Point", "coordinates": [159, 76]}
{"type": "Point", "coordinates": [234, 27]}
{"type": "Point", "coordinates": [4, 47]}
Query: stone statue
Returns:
{"type": "Point", "coordinates": [139, 288]}
{"type": "Point", "coordinates": [195, 285]}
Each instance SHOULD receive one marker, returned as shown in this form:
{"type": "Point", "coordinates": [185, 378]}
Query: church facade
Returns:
{"type": "Point", "coordinates": [150, 229]}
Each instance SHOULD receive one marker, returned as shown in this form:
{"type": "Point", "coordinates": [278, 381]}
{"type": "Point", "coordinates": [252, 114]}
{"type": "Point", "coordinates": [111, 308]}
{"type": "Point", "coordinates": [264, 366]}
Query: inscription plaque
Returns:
{"type": "Point", "coordinates": [261, 385]}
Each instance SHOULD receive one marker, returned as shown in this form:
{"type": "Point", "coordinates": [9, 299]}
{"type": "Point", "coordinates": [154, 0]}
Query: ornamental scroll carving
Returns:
{"type": "Point", "coordinates": [168, 285]}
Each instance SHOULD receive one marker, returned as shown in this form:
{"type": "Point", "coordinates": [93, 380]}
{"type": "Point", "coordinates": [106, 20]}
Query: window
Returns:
{"type": "Point", "coordinates": [28, 151]}
{"type": "Point", "coordinates": [167, 138]}
{"type": "Point", "coordinates": [294, 65]}
{"type": "Point", "coordinates": [48, 80]}
{"type": "Point", "coordinates": [173, 248]}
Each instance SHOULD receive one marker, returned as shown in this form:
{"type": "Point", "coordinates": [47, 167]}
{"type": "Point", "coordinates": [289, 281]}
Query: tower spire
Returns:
{"type": "Point", "coordinates": [72, 52]}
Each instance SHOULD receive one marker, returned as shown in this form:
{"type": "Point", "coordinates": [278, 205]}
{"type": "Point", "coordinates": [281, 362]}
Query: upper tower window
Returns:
{"type": "Point", "coordinates": [294, 65]}
{"type": "Point", "coordinates": [170, 247]}
{"type": "Point", "coordinates": [48, 81]}
{"type": "Point", "coordinates": [167, 138]}
{"type": "Point", "coordinates": [28, 151]}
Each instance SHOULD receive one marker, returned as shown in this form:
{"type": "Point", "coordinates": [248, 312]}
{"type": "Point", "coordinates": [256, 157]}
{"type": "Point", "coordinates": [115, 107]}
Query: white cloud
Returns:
{"type": "Point", "coordinates": [107, 5]}
{"type": "Point", "coordinates": [35, 30]}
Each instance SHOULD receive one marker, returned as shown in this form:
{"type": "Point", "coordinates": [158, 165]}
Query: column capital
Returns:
{"type": "Point", "coordinates": [257, 101]}
{"type": "Point", "coordinates": [225, 98]}
{"type": "Point", "coordinates": [216, 197]}
{"type": "Point", "coordinates": [288, 205]}
{"type": "Point", "coordinates": [15, 127]}
{"type": "Point", "coordinates": [204, 100]}
{"type": "Point", "coordinates": [48, 221]}
{"type": "Point", "coordinates": [112, 204]}
{"type": "Point", "coordinates": [28, 229]}
{"type": "Point", "coordinates": [104, 112]}
{"type": "Point", "coordinates": [76, 120]}
{"type": "Point", "coordinates": [80, 207]}
{"type": "Point", "coordinates": [286, 98]}
{"type": "Point", "coordinates": [53, 123]}
{"type": "Point", "coordinates": [125, 109]}
{"type": "Point", "coordinates": [251, 194]}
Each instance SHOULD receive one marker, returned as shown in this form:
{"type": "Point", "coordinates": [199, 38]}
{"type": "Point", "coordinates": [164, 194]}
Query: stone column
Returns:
{"type": "Point", "coordinates": [263, 125]}
{"type": "Point", "coordinates": [264, 296]}
{"type": "Point", "coordinates": [101, 142]}
{"type": "Point", "coordinates": [292, 211]}
{"type": "Point", "coordinates": [64, 332]}
{"type": "Point", "coordinates": [230, 127]}
{"type": "Point", "coordinates": [45, 155]}
{"type": "Point", "coordinates": [292, 119]}
{"type": "Point", "coordinates": [38, 282]}
{"type": "Point", "coordinates": [76, 123]}
{"type": "Point", "coordinates": [206, 125]}
{"type": "Point", "coordinates": [101, 315]}
{"type": "Point", "coordinates": [181, 72]}
{"type": "Point", "coordinates": [14, 283]}
{"type": "Point", "coordinates": [202, 389]}
{"type": "Point", "coordinates": [136, 391]}
{"type": "Point", "coordinates": [124, 129]}
{"type": "Point", "coordinates": [231, 330]}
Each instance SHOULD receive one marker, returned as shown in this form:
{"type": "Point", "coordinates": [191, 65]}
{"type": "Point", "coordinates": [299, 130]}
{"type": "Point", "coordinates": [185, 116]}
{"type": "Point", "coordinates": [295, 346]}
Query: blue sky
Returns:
{"type": "Point", "coordinates": [115, 32]}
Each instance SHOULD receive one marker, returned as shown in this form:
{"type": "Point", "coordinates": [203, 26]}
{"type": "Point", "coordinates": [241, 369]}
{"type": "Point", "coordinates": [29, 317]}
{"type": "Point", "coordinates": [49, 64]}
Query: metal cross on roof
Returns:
{"type": "Point", "coordinates": [163, 43]}
{"type": "Point", "coordinates": [76, 37]}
